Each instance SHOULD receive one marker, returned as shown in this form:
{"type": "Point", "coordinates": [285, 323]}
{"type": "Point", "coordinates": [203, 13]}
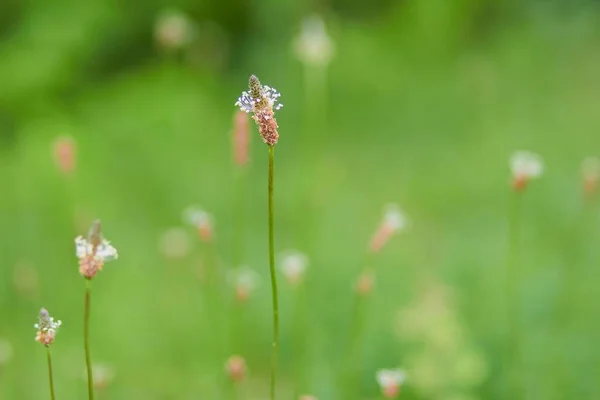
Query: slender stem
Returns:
{"type": "Point", "coordinates": [273, 276]}
{"type": "Point", "coordinates": [513, 368]}
{"type": "Point", "coordinates": [50, 377]}
{"type": "Point", "coordinates": [86, 339]}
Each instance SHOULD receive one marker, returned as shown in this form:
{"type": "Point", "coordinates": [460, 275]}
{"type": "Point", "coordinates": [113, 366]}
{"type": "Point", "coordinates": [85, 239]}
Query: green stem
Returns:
{"type": "Point", "coordinates": [513, 368]}
{"type": "Point", "coordinates": [50, 377]}
{"type": "Point", "coordinates": [86, 339]}
{"type": "Point", "coordinates": [273, 276]}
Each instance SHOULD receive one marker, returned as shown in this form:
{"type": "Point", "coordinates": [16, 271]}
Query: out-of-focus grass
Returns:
{"type": "Point", "coordinates": [430, 130]}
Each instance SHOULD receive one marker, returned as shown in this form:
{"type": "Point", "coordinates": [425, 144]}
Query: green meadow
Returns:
{"type": "Point", "coordinates": [422, 104]}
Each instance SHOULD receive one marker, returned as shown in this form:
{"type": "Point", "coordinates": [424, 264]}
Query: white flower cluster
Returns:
{"type": "Point", "coordinates": [526, 165]}
{"type": "Point", "coordinates": [314, 46]}
{"type": "Point", "coordinates": [197, 217]}
{"type": "Point", "coordinates": [104, 251]}
{"type": "Point", "coordinates": [293, 265]}
{"type": "Point", "coordinates": [394, 218]}
{"type": "Point", "coordinates": [46, 328]}
{"type": "Point", "coordinates": [47, 322]}
{"type": "Point", "coordinates": [244, 278]}
{"type": "Point", "coordinates": [246, 103]}
{"type": "Point", "coordinates": [387, 378]}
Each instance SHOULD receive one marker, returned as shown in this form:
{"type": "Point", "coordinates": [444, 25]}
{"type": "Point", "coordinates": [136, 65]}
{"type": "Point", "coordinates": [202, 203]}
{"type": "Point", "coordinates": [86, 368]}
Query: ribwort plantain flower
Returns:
{"type": "Point", "coordinates": [590, 170]}
{"type": "Point", "coordinates": [525, 166]}
{"type": "Point", "coordinates": [174, 30]}
{"type": "Point", "coordinates": [244, 280]}
{"type": "Point", "coordinates": [201, 220]}
{"type": "Point", "coordinates": [293, 265]}
{"type": "Point", "coordinates": [64, 154]}
{"type": "Point", "coordinates": [46, 328]}
{"type": "Point", "coordinates": [394, 220]}
{"type": "Point", "coordinates": [93, 252]}
{"type": "Point", "coordinates": [314, 46]}
{"type": "Point", "coordinates": [365, 282]}
{"type": "Point", "coordinates": [261, 101]}
{"type": "Point", "coordinates": [235, 367]}
{"type": "Point", "coordinates": [241, 138]}
{"type": "Point", "coordinates": [390, 381]}
{"type": "Point", "coordinates": [103, 375]}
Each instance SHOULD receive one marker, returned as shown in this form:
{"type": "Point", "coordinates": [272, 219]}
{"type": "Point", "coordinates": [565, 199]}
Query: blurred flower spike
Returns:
{"type": "Point", "coordinates": [64, 154]}
{"type": "Point", "coordinates": [293, 266]}
{"type": "Point", "coordinates": [525, 166]}
{"type": "Point", "coordinates": [307, 397]}
{"type": "Point", "coordinates": [365, 283]}
{"type": "Point", "coordinates": [314, 46]}
{"type": "Point", "coordinates": [261, 101]}
{"type": "Point", "coordinates": [174, 30]}
{"type": "Point", "coordinates": [241, 138]}
{"type": "Point", "coordinates": [390, 381]}
{"type": "Point", "coordinates": [394, 220]}
{"type": "Point", "coordinates": [201, 220]}
{"type": "Point", "coordinates": [245, 280]}
{"type": "Point", "coordinates": [103, 376]}
{"type": "Point", "coordinates": [235, 367]}
{"type": "Point", "coordinates": [590, 170]}
{"type": "Point", "coordinates": [94, 252]}
{"type": "Point", "coordinates": [46, 328]}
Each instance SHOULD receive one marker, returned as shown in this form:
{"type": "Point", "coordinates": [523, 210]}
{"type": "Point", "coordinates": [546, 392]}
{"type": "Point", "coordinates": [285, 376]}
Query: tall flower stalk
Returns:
{"type": "Point", "coordinates": [260, 101]}
{"type": "Point", "coordinates": [524, 166]}
{"type": "Point", "coordinates": [92, 254]}
{"type": "Point", "coordinates": [46, 332]}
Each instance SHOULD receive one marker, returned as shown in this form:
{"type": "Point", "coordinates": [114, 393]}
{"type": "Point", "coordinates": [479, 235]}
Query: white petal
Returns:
{"type": "Point", "coordinates": [82, 247]}
{"type": "Point", "coordinates": [390, 377]}
{"type": "Point", "coordinates": [106, 252]}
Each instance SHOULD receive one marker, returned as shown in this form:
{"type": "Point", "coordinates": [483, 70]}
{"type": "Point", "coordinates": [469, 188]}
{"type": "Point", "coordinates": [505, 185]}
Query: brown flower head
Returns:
{"type": "Point", "coordinates": [260, 100]}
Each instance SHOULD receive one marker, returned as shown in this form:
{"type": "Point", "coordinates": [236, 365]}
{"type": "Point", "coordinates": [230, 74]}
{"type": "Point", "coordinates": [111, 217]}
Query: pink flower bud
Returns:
{"type": "Point", "coordinates": [241, 138]}
{"type": "Point", "coordinates": [236, 368]}
{"type": "Point", "coordinates": [365, 283]}
{"type": "Point", "coordinates": [64, 154]}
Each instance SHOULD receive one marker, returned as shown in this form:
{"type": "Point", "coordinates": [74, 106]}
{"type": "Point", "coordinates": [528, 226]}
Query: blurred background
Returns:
{"type": "Point", "coordinates": [124, 111]}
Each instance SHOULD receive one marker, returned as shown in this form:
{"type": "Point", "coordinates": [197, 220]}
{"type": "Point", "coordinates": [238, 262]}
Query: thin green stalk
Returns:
{"type": "Point", "coordinates": [50, 377]}
{"type": "Point", "coordinates": [513, 367]}
{"type": "Point", "coordinates": [86, 339]}
{"type": "Point", "coordinates": [273, 276]}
